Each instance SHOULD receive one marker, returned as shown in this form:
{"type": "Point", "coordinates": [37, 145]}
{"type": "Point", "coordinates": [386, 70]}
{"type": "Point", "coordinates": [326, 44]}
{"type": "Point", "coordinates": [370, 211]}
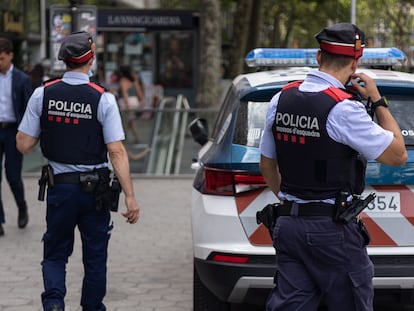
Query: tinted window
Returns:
{"type": "Point", "coordinates": [224, 114]}
{"type": "Point", "coordinates": [250, 123]}
{"type": "Point", "coordinates": [402, 108]}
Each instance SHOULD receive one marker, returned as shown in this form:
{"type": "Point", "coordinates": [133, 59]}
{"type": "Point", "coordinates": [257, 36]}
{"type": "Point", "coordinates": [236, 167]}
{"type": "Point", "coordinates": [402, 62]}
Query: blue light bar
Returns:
{"type": "Point", "coordinates": [382, 57]}
{"type": "Point", "coordinates": [279, 57]}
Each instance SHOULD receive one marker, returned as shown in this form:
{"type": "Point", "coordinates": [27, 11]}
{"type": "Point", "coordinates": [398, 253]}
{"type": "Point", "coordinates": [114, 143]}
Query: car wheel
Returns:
{"type": "Point", "coordinates": [204, 300]}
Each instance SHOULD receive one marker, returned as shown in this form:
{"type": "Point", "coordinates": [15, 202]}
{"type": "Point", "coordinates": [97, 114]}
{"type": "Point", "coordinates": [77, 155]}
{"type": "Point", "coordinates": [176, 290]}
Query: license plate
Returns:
{"type": "Point", "coordinates": [384, 202]}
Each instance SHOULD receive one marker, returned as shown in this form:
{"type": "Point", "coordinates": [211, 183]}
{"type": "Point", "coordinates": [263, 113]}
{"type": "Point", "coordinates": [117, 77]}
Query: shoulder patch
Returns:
{"type": "Point", "coordinates": [337, 93]}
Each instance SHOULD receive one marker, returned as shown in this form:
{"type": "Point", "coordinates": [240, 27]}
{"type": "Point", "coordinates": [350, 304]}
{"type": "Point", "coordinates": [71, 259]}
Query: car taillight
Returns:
{"type": "Point", "coordinates": [228, 182]}
{"type": "Point", "coordinates": [230, 259]}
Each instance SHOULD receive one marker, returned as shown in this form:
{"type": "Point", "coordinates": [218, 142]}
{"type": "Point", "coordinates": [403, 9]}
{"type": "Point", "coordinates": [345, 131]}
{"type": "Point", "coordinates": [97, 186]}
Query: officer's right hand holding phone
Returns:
{"type": "Point", "coordinates": [365, 86]}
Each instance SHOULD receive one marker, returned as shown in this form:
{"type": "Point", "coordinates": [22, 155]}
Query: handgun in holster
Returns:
{"type": "Point", "coordinates": [354, 208]}
{"type": "Point", "coordinates": [46, 178]}
{"type": "Point", "coordinates": [116, 189]}
{"type": "Point", "coordinates": [107, 192]}
{"type": "Point", "coordinates": [267, 216]}
{"type": "Point", "coordinates": [349, 211]}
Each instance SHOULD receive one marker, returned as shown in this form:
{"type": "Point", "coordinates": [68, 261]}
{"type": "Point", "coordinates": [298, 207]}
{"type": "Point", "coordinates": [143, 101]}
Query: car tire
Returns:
{"type": "Point", "coordinates": [204, 300]}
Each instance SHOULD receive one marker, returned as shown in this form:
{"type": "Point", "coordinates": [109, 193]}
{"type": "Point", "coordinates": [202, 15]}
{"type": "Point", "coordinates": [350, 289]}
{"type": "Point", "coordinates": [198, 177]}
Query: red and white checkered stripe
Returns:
{"type": "Point", "coordinates": [386, 229]}
{"type": "Point", "coordinates": [392, 229]}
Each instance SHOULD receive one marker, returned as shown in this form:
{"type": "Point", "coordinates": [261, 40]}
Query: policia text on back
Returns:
{"type": "Point", "coordinates": [97, 182]}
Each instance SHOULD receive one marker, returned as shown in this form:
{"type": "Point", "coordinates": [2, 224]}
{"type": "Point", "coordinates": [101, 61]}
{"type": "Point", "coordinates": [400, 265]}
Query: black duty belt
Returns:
{"type": "Point", "coordinates": [306, 209]}
{"type": "Point", "coordinates": [75, 177]}
{"type": "Point", "coordinates": [67, 178]}
{"type": "Point", "coordinates": [5, 125]}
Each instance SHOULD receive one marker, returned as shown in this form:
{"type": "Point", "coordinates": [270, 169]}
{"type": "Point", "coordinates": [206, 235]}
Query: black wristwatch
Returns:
{"type": "Point", "coordinates": [383, 101]}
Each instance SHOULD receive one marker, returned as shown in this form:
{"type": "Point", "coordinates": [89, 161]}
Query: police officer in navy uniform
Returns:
{"type": "Point", "coordinates": [78, 124]}
{"type": "Point", "coordinates": [316, 141]}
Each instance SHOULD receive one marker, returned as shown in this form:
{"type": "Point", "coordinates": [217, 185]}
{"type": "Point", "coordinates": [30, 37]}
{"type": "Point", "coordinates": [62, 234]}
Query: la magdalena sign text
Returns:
{"type": "Point", "coordinates": [145, 19]}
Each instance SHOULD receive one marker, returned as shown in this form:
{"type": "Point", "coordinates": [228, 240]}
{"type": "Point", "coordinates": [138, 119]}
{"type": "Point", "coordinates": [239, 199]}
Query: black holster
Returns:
{"type": "Point", "coordinates": [46, 179]}
{"type": "Point", "coordinates": [268, 216]}
{"type": "Point", "coordinates": [364, 231]}
{"type": "Point", "coordinates": [107, 191]}
{"type": "Point", "coordinates": [348, 211]}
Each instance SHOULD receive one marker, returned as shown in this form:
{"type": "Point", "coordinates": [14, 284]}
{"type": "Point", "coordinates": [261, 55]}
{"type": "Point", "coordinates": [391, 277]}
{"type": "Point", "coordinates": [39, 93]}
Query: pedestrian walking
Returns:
{"type": "Point", "coordinates": [78, 124]}
{"type": "Point", "coordinates": [317, 139]}
{"type": "Point", "coordinates": [16, 89]}
{"type": "Point", "coordinates": [38, 76]}
{"type": "Point", "coordinates": [130, 98]}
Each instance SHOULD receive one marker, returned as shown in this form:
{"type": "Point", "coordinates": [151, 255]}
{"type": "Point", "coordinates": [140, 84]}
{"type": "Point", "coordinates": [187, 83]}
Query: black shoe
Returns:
{"type": "Point", "coordinates": [1, 230]}
{"type": "Point", "coordinates": [23, 218]}
{"type": "Point", "coordinates": [55, 308]}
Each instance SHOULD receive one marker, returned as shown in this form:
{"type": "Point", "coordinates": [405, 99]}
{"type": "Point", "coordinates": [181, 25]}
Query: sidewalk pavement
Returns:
{"type": "Point", "coordinates": [150, 263]}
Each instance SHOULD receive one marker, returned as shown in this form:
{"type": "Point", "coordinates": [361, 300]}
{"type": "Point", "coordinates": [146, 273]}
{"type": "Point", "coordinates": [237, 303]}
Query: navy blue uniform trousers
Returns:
{"type": "Point", "coordinates": [320, 259]}
{"type": "Point", "coordinates": [13, 164]}
{"type": "Point", "coordinates": [68, 207]}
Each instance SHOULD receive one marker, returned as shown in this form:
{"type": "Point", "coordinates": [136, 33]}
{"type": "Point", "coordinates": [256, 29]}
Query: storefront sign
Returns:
{"type": "Point", "coordinates": [13, 23]}
{"type": "Point", "coordinates": [113, 20]}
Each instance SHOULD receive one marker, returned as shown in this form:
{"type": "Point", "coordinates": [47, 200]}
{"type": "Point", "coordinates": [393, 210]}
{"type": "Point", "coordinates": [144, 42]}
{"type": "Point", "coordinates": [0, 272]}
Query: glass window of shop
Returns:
{"type": "Point", "coordinates": [163, 60]}
{"type": "Point", "coordinates": [175, 59]}
{"type": "Point", "coordinates": [158, 44]}
{"type": "Point", "coordinates": [126, 48]}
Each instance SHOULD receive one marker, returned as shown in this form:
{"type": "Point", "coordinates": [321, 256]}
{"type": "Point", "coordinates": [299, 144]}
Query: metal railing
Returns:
{"type": "Point", "coordinates": [168, 137]}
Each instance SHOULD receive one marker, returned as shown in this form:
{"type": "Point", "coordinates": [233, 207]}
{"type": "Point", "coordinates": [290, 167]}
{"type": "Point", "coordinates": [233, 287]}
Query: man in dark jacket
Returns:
{"type": "Point", "coordinates": [16, 89]}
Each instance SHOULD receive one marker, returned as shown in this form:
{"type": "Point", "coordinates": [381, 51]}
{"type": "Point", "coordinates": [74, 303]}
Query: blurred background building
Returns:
{"type": "Point", "coordinates": [130, 32]}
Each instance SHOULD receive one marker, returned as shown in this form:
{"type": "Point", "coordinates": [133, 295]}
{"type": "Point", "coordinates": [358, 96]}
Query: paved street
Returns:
{"type": "Point", "coordinates": [150, 263]}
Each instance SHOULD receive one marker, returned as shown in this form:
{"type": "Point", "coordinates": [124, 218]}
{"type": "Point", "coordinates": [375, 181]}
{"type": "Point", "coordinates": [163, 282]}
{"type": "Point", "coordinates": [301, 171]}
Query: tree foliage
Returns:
{"type": "Point", "coordinates": [294, 23]}
{"type": "Point", "coordinates": [244, 24]}
{"type": "Point", "coordinates": [389, 27]}
{"type": "Point", "coordinates": [278, 23]}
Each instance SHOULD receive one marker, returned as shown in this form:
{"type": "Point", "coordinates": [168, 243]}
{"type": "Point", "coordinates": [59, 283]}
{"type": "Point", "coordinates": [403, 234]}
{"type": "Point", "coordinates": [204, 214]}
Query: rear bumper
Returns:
{"type": "Point", "coordinates": [252, 282]}
{"type": "Point", "coordinates": [238, 283]}
{"type": "Point", "coordinates": [393, 271]}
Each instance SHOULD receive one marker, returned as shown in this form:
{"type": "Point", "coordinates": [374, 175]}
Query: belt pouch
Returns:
{"type": "Point", "coordinates": [88, 181]}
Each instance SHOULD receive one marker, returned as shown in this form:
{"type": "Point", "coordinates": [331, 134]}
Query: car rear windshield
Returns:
{"type": "Point", "coordinates": [251, 119]}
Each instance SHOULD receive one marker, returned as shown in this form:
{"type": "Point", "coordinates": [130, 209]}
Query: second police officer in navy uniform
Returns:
{"type": "Point", "coordinates": [318, 256]}
{"type": "Point", "coordinates": [78, 124]}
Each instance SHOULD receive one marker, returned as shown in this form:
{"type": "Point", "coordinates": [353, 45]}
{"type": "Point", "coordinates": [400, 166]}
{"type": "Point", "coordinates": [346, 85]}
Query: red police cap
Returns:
{"type": "Point", "coordinates": [77, 48]}
{"type": "Point", "coordinates": [343, 39]}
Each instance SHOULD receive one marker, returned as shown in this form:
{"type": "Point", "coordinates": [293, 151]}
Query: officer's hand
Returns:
{"type": "Point", "coordinates": [366, 86]}
{"type": "Point", "coordinates": [132, 213]}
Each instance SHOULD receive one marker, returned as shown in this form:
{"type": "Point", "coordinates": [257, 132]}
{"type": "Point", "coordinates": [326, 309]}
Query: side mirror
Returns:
{"type": "Point", "coordinates": [199, 130]}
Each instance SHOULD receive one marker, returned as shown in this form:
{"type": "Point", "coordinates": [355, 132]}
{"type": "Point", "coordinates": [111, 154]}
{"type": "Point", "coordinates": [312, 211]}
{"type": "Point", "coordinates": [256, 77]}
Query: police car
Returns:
{"type": "Point", "coordinates": [234, 260]}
